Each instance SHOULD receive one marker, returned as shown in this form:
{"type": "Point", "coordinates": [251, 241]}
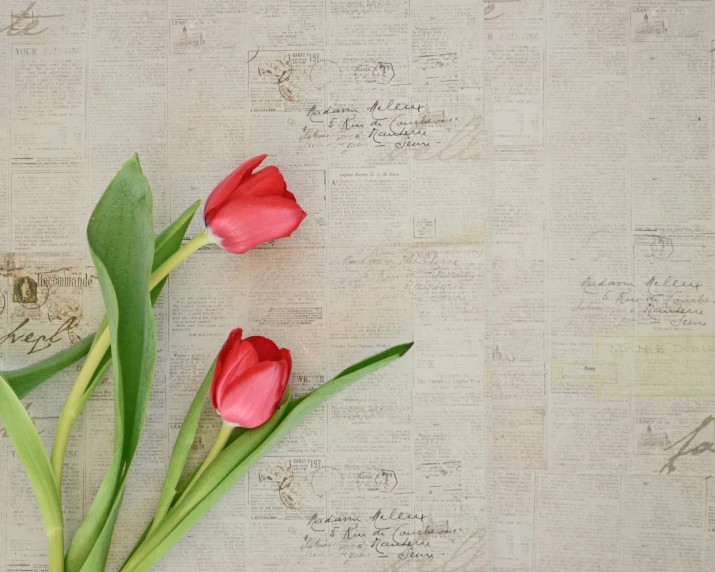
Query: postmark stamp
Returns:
{"type": "Point", "coordinates": [24, 290]}
{"type": "Point", "coordinates": [325, 479]}
{"type": "Point", "coordinates": [381, 73]}
{"type": "Point", "coordinates": [377, 480]}
{"type": "Point", "coordinates": [293, 492]}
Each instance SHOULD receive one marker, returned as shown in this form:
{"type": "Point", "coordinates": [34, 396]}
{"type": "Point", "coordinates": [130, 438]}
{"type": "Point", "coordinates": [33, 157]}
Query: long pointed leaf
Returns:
{"type": "Point", "coordinates": [168, 242]}
{"type": "Point", "coordinates": [98, 556]}
{"type": "Point", "coordinates": [182, 447]}
{"type": "Point", "coordinates": [121, 240]}
{"type": "Point", "coordinates": [26, 379]}
{"type": "Point", "coordinates": [215, 482]}
{"type": "Point", "coordinates": [34, 458]}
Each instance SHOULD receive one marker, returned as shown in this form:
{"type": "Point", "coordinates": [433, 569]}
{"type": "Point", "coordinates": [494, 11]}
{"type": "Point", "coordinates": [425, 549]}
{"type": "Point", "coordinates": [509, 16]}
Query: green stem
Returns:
{"type": "Point", "coordinates": [73, 405]}
{"type": "Point", "coordinates": [70, 411]}
{"type": "Point", "coordinates": [218, 446]}
{"type": "Point", "coordinates": [56, 541]}
{"type": "Point", "coordinates": [226, 430]}
{"type": "Point", "coordinates": [200, 240]}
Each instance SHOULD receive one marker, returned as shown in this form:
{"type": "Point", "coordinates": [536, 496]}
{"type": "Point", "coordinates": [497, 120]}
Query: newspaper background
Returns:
{"type": "Point", "coordinates": [522, 187]}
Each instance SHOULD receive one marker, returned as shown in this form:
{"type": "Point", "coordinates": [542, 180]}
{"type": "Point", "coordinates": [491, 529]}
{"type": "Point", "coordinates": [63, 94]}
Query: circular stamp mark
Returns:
{"type": "Point", "coordinates": [377, 480]}
{"type": "Point", "coordinates": [326, 479]}
{"type": "Point", "coordinates": [276, 475]}
{"type": "Point", "coordinates": [68, 311]}
{"type": "Point", "coordinates": [324, 72]}
{"type": "Point", "coordinates": [294, 493]}
{"type": "Point", "coordinates": [288, 92]}
{"type": "Point", "coordinates": [657, 246]}
{"type": "Point", "coordinates": [381, 73]}
{"type": "Point", "coordinates": [278, 68]}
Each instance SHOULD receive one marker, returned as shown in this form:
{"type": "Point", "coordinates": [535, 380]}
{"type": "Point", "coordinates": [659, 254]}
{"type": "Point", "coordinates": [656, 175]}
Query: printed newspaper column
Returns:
{"type": "Point", "coordinates": [710, 522]}
{"type": "Point", "coordinates": [670, 67]}
{"type": "Point", "coordinates": [514, 519]}
{"type": "Point", "coordinates": [5, 90]}
{"type": "Point", "coordinates": [48, 146]}
{"type": "Point", "coordinates": [589, 245]}
{"type": "Point", "coordinates": [515, 66]}
{"type": "Point", "coordinates": [365, 79]}
{"type": "Point", "coordinates": [128, 78]}
{"type": "Point", "coordinates": [515, 44]}
{"type": "Point", "coordinates": [450, 452]}
{"type": "Point", "coordinates": [668, 510]}
{"type": "Point", "coordinates": [207, 108]}
{"type": "Point", "coordinates": [443, 134]}
{"type": "Point", "coordinates": [578, 510]}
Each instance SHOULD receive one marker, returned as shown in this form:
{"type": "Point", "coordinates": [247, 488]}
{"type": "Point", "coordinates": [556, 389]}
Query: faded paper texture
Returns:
{"type": "Point", "coordinates": [522, 187]}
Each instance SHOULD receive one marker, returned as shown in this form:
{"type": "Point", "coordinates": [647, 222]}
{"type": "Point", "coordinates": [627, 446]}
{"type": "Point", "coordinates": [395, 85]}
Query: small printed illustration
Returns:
{"type": "Point", "coordinates": [652, 436]}
{"type": "Point", "coordinates": [187, 36]}
{"type": "Point", "coordinates": [669, 23]}
{"type": "Point", "coordinates": [650, 27]}
{"type": "Point", "coordinates": [24, 290]}
{"type": "Point", "coordinates": [662, 24]}
{"type": "Point", "coordinates": [188, 39]}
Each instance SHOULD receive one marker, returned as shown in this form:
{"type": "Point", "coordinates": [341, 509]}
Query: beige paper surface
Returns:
{"type": "Point", "coordinates": [522, 187]}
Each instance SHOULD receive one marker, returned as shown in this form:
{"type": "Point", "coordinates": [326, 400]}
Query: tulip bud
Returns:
{"type": "Point", "coordinates": [250, 379]}
{"type": "Point", "coordinates": [247, 209]}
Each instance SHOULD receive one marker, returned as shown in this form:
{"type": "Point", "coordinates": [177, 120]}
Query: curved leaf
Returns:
{"type": "Point", "coordinates": [236, 459]}
{"type": "Point", "coordinates": [121, 240]}
{"type": "Point", "coordinates": [182, 448]}
{"type": "Point", "coordinates": [33, 456]}
{"type": "Point", "coordinates": [26, 379]}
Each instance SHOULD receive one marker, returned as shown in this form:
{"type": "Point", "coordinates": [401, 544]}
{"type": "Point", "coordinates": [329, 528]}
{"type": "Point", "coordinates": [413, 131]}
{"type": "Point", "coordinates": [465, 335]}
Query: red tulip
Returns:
{"type": "Point", "coordinates": [250, 378]}
{"type": "Point", "coordinates": [247, 209]}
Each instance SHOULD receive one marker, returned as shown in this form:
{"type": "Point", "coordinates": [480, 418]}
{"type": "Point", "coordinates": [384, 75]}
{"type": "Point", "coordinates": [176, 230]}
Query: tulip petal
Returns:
{"type": "Point", "coordinates": [245, 222]}
{"type": "Point", "coordinates": [264, 183]}
{"type": "Point", "coordinates": [251, 399]}
{"type": "Point", "coordinates": [267, 349]}
{"type": "Point", "coordinates": [285, 356]}
{"type": "Point", "coordinates": [224, 190]}
{"type": "Point", "coordinates": [232, 339]}
{"type": "Point", "coordinates": [242, 358]}
{"type": "Point", "coordinates": [288, 195]}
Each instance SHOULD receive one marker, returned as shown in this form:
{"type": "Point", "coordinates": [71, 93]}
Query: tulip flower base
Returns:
{"type": "Point", "coordinates": [248, 383]}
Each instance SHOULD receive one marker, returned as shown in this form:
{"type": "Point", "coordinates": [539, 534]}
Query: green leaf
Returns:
{"type": "Point", "coordinates": [98, 555]}
{"type": "Point", "coordinates": [236, 459]}
{"type": "Point", "coordinates": [33, 456]}
{"type": "Point", "coordinates": [26, 379]}
{"type": "Point", "coordinates": [182, 448]}
{"type": "Point", "coordinates": [121, 240]}
{"type": "Point", "coordinates": [99, 374]}
{"type": "Point", "coordinates": [169, 241]}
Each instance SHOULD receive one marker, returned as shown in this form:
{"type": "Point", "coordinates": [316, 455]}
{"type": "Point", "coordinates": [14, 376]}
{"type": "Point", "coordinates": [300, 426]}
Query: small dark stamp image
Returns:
{"type": "Point", "coordinates": [24, 290]}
